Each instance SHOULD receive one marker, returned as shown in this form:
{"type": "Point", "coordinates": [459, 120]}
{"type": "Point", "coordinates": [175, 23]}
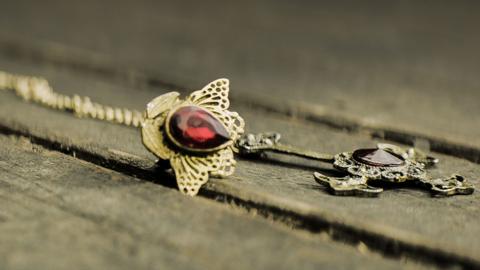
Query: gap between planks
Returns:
{"type": "Point", "coordinates": [336, 230]}
{"type": "Point", "coordinates": [100, 65]}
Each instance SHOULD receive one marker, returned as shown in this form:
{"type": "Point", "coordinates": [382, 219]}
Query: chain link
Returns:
{"type": "Point", "coordinates": [38, 90]}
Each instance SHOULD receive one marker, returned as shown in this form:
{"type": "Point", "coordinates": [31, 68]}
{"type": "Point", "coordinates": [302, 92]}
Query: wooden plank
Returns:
{"type": "Point", "coordinates": [404, 69]}
{"type": "Point", "coordinates": [400, 222]}
{"type": "Point", "coordinates": [57, 212]}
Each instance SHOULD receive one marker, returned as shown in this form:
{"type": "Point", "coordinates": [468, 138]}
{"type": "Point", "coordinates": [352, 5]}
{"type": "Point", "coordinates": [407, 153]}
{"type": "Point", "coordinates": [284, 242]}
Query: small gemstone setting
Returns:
{"type": "Point", "coordinates": [377, 157]}
{"type": "Point", "coordinates": [195, 128]}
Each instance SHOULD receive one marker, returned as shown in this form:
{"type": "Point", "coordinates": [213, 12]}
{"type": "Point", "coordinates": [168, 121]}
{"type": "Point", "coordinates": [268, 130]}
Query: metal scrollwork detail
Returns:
{"type": "Point", "coordinates": [453, 185]}
{"type": "Point", "coordinates": [412, 169]}
{"type": "Point", "coordinates": [348, 185]}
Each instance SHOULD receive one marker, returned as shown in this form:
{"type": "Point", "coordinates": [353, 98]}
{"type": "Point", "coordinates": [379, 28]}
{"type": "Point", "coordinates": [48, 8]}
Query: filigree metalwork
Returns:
{"type": "Point", "coordinates": [348, 185]}
{"type": "Point", "coordinates": [193, 167]}
{"type": "Point", "coordinates": [410, 166]}
{"type": "Point", "coordinates": [413, 169]}
{"type": "Point", "coordinates": [252, 144]}
{"type": "Point", "coordinates": [455, 184]}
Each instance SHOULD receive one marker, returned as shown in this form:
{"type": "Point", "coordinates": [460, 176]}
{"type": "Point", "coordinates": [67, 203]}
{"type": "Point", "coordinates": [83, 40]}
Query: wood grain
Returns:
{"type": "Point", "coordinates": [408, 219]}
{"type": "Point", "coordinates": [403, 69]}
{"type": "Point", "coordinates": [58, 212]}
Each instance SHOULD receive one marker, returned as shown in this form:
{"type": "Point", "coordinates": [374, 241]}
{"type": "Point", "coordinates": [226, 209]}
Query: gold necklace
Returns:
{"type": "Point", "coordinates": [199, 136]}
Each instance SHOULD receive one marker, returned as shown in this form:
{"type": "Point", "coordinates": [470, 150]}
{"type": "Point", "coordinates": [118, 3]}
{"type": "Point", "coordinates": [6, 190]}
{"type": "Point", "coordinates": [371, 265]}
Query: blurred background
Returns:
{"type": "Point", "coordinates": [409, 65]}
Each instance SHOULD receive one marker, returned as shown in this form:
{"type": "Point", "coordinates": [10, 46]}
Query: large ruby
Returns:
{"type": "Point", "coordinates": [196, 128]}
{"type": "Point", "coordinates": [377, 157]}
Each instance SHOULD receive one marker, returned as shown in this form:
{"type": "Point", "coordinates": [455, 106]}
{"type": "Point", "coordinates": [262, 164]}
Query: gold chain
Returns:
{"type": "Point", "coordinates": [38, 90]}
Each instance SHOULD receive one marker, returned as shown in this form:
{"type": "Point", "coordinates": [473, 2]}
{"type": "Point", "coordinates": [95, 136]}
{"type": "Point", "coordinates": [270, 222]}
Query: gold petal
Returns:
{"type": "Point", "coordinates": [214, 96]}
{"type": "Point", "coordinates": [226, 163]}
{"type": "Point", "coordinates": [234, 123]}
{"type": "Point", "coordinates": [154, 139]}
{"type": "Point", "coordinates": [192, 172]}
{"type": "Point", "coordinates": [161, 104]}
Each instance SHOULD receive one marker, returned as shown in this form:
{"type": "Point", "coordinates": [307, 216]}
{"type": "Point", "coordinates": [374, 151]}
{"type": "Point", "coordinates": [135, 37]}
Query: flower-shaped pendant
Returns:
{"type": "Point", "coordinates": [196, 134]}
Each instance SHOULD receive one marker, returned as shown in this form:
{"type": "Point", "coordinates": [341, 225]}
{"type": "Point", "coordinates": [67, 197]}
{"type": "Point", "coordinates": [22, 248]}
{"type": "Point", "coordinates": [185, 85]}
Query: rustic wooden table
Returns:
{"type": "Point", "coordinates": [331, 77]}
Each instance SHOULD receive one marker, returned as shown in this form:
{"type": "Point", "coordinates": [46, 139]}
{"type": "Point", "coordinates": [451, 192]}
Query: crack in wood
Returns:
{"type": "Point", "coordinates": [346, 234]}
{"type": "Point", "coordinates": [337, 231]}
{"type": "Point", "coordinates": [83, 61]}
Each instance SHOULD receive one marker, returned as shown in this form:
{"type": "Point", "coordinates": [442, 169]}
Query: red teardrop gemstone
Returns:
{"type": "Point", "coordinates": [196, 128]}
{"type": "Point", "coordinates": [377, 157]}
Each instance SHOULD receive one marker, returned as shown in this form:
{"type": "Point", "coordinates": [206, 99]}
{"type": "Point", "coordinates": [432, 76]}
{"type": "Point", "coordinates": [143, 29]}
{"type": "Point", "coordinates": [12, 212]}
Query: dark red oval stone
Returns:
{"type": "Point", "coordinates": [196, 128]}
{"type": "Point", "coordinates": [377, 157]}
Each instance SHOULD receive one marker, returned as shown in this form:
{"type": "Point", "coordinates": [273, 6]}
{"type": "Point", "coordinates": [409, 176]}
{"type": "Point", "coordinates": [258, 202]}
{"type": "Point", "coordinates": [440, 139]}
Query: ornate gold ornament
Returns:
{"type": "Point", "coordinates": [192, 158]}
{"type": "Point", "coordinates": [363, 167]}
{"type": "Point", "coordinates": [198, 136]}
{"type": "Point", "coordinates": [388, 163]}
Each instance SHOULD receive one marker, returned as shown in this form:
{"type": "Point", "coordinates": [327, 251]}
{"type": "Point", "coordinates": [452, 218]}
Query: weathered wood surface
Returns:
{"type": "Point", "coordinates": [401, 71]}
{"type": "Point", "coordinates": [403, 222]}
{"type": "Point", "coordinates": [398, 68]}
{"type": "Point", "coordinates": [59, 213]}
